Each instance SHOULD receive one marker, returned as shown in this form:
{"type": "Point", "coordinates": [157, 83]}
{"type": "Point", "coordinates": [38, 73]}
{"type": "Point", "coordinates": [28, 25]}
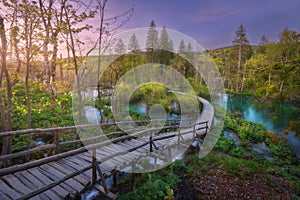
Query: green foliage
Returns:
{"type": "Point", "coordinates": [246, 130]}
{"type": "Point", "coordinates": [151, 94]}
{"type": "Point", "coordinates": [250, 132]}
{"type": "Point", "coordinates": [284, 154]}
{"type": "Point", "coordinates": [199, 89]}
{"type": "Point", "coordinates": [44, 113]}
{"type": "Point", "coordinates": [225, 145]}
{"type": "Point", "coordinates": [155, 187]}
{"type": "Point", "coordinates": [270, 72]}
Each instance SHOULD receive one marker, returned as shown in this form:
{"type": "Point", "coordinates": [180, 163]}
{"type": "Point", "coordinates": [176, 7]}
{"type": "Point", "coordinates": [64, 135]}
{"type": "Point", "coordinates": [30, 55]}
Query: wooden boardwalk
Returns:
{"type": "Point", "coordinates": [68, 174]}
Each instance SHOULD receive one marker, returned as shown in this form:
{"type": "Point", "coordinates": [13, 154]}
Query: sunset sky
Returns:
{"type": "Point", "coordinates": [213, 22]}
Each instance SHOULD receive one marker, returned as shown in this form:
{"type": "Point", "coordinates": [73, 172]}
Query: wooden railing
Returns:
{"type": "Point", "coordinates": [171, 124]}
{"type": "Point", "coordinates": [54, 148]}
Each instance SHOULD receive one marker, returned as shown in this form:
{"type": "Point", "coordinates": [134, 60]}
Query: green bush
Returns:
{"type": "Point", "coordinates": [155, 188]}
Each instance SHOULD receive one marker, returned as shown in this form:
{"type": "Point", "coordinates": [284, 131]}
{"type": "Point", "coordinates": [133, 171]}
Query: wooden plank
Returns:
{"type": "Point", "coordinates": [29, 184]}
{"type": "Point", "coordinates": [116, 148]}
{"type": "Point", "coordinates": [78, 178]}
{"type": "Point", "coordinates": [108, 153]}
{"type": "Point", "coordinates": [106, 168]}
{"type": "Point", "coordinates": [73, 169]}
{"type": "Point", "coordinates": [58, 174]}
{"type": "Point", "coordinates": [137, 142]}
{"type": "Point", "coordinates": [53, 184]}
{"type": "Point", "coordinates": [71, 191]}
{"type": "Point", "coordinates": [8, 191]}
{"type": "Point", "coordinates": [136, 154]}
{"type": "Point", "coordinates": [39, 198]}
{"type": "Point", "coordinates": [45, 180]}
{"type": "Point", "coordinates": [15, 183]}
{"type": "Point", "coordinates": [38, 184]}
{"type": "Point", "coordinates": [81, 163]}
{"type": "Point", "coordinates": [51, 195]}
{"type": "Point", "coordinates": [28, 165]}
{"type": "Point", "coordinates": [3, 196]}
{"type": "Point", "coordinates": [84, 157]}
{"type": "Point", "coordinates": [75, 166]}
{"type": "Point", "coordinates": [111, 164]}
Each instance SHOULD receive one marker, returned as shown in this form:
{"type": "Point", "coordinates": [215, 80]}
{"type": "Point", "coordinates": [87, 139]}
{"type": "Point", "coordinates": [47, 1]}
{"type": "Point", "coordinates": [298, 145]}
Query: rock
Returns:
{"type": "Point", "coordinates": [262, 149]}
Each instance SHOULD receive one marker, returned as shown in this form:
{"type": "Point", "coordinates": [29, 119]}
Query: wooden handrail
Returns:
{"type": "Point", "coordinates": [79, 150]}
{"type": "Point", "coordinates": [47, 130]}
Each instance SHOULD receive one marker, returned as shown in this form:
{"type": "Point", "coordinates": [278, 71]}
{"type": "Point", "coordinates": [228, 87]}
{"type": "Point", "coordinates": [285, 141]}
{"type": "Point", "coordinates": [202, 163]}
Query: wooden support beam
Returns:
{"type": "Point", "coordinates": [102, 190]}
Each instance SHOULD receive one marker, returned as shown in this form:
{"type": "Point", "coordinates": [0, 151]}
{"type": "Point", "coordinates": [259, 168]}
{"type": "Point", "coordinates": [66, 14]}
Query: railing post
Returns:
{"type": "Point", "coordinates": [170, 154]}
{"type": "Point", "coordinates": [56, 142]}
{"type": "Point", "coordinates": [102, 178]}
{"type": "Point", "coordinates": [29, 138]}
{"type": "Point", "coordinates": [115, 178]}
{"type": "Point", "coordinates": [178, 135]}
{"type": "Point", "coordinates": [94, 170]}
{"type": "Point", "coordinates": [150, 142]}
{"type": "Point", "coordinates": [194, 131]}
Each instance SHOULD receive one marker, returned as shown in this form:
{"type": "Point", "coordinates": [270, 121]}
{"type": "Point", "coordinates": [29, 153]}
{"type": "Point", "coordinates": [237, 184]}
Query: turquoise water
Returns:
{"type": "Point", "coordinates": [142, 109]}
{"type": "Point", "coordinates": [275, 117]}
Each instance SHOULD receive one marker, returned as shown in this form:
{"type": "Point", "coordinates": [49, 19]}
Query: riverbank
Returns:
{"type": "Point", "coordinates": [280, 119]}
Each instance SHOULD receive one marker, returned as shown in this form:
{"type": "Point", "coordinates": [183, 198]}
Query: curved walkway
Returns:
{"type": "Point", "coordinates": [19, 184]}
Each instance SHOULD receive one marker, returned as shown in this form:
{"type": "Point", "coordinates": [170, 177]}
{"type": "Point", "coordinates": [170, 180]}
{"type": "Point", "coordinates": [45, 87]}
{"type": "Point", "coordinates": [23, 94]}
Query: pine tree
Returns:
{"type": "Point", "coordinates": [182, 47]}
{"type": "Point", "coordinates": [171, 45]}
{"type": "Point", "coordinates": [241, 44]}
{"type": "Point", "coordinates": [120, 48]}
{"type": "Point", "coordinates": [263, 43]}
{"type": "Point", "coordinates": [152, 43]}
{"type": "Point", "coordinates": [152, 38]}
{"type": "Point", "coordinates": [133, 45]}
{"type": "Point", "coordinates": [166, 47]}
{"type": "Point", "coordinates": [164, 40]}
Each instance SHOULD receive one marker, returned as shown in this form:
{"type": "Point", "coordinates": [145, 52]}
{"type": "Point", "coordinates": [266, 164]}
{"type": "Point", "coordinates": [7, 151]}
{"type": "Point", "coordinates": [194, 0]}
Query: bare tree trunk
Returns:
{"type": "Point", "coordinates": [68, 56]}
{"type": "Point", "coordinates": [46, 18]}
{"type": "Point", "coordinates": [7, 142]}
{"type": "Point", "coordinates": [61, 69]}
{"type": "Point", "coordinates": [72, 48]}
{"type": "Point", "coordinates": [243, 78]}
{"type": "Point", "coordinates": [281, 88]}
{"type": "Point", "coordinates": [53, 71]}
{"type": "Point", "coordinates": [102, 10]}
{"type": "Point", "coordinates": [239, 68]}
{"type": "Point", "coordinates": [14, 36]}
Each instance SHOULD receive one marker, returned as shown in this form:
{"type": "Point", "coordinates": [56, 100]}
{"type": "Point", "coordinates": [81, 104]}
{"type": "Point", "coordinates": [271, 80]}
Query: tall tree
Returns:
{"type": "Point", "coordinates": [106, 31]}
{"type": "Point", "coordinates": [29, 36]}
{"type": "Point", "coordinates": [242, 45]}
{"type": "Point", "coordinates": [7, 142]}
{"type": "Point", "coordinates": [171, 45]}
{"type": "Point", "coordinates": [120, 47]}
{"type": "Point", "coordinates": [46, 17]}
{"type": "Point", "coordinates": [165, 52]}
{"type": "Point", "coordinates": [133, 45]}
{"type": "Point", "coordinates": [152, 42]}
{"type": "Point", "coordinates": [164, 42]}
{"type": "Point", "coordinates": [262, 44]}
{"type": "Point", "coordinates": [182, 47]}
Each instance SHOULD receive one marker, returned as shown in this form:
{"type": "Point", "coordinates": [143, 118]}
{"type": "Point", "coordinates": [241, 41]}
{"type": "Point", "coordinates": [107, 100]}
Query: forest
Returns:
{"type": "Point", "coordinates": [37, 80]}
